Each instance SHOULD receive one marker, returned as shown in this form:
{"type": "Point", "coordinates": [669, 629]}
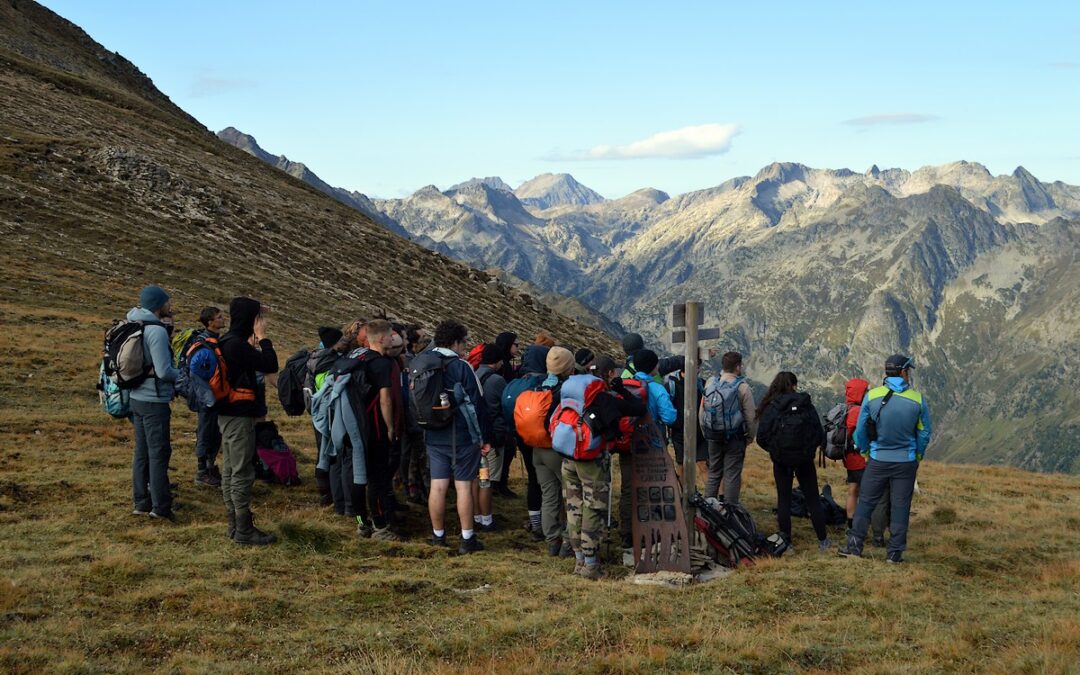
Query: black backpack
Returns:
{"type": "Point", "coordinates": [290, 384]}
{"type": "Point", "coordinates": [792, 432]}
{"type": "Point", "coordinates": [432, 402]}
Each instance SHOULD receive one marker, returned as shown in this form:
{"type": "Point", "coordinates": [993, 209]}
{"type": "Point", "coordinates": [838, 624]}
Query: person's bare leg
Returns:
{"type": "Point", "coordinates": [852, 499]}
{"type": "Point", "coordinates": [464, 503]}
{"type": "Point", "coordinates": [437, 502]}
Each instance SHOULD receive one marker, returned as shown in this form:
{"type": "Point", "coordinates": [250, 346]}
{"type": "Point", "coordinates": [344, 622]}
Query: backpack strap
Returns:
{"type": "Point", "coordinates": [486, 376]}
{"type": "Point", "coordinates": [884, 401]}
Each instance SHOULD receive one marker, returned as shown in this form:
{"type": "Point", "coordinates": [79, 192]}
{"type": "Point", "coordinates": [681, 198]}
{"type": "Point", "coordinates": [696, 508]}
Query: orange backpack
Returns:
{"type": "Point", "coordinates": [219, 381]}
{"type": "Point", "coordinates": [531, 414]}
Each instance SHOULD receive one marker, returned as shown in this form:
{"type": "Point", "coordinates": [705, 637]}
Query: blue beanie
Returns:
{"type": "Point", "coordinates": [153, 298]}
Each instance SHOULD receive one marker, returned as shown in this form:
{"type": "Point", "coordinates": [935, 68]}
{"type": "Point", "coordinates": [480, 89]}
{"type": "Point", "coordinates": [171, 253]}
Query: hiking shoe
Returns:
{"type": "Point", "coordinates": [491, 527]}
{"type": "Point", "coordinates": [440, 541]}
{"type": "Point", "coordinates": [386, 534]}
{"type": "Point", "coordinates": [566, 550]}
{"type": "Point", "coordinates": [895, 558]}
{"type": "Point", "coordinates": [554, 548]}
{"type": "Point", "coordinates": [592, 572]}
{"type": "Point", "coordinates": [470, 545]}
{"type": "Point", "coordinates": [248, 534]}
{"type": "Point", "coordinates": [163, 515]}
{"type": "Point", "coordinates": [578, 566]}
{"type": "Point", "coordinates": [139, 511]}
{"type": "Point", "coordinates": [206, 478]}
{"type": "Point", "coordinates": [364, 530]}
{"type": "Point", "coordinates": [878, 542]}
{"type": "Point", "coordinates": [848, 551]}
{"type": "Point", "coordinates": [824, 545]}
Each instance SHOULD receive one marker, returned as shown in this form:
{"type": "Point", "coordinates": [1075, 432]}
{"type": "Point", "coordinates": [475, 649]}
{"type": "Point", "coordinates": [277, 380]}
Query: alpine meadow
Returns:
{"type": "Point", "coordinates": [107, 186]}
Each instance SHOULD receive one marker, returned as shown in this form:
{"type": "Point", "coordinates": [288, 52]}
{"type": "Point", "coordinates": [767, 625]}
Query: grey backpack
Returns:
{"type": "Point", "coordinates": [836, 435]}
{"type": "Point", "coordinates": [721, 410]}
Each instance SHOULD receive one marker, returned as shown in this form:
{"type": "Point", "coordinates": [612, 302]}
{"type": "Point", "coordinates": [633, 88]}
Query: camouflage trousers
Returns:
{"type": "Point", "coordinates": [587, 490]}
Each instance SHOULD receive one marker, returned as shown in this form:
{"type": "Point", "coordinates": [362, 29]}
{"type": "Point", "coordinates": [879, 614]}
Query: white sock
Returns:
{"type": "Point", "coordinates": [466, 534]}
{"type": "Point", "coordinates": [487, 520]}
{"type": "Point", "coordinates": [477, 519]}
{"type": "Point", "coordinates": [439, 533]}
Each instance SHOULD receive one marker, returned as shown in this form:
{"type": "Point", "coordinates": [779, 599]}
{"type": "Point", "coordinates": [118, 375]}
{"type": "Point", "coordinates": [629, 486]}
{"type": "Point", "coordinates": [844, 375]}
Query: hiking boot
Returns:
{"type": "Point", "coordinates": [895, 558]}
{"type": "Point", "coordinates": [578, 565]}
{"type": "Point", "coordinates": [386, 534]}
{"type": "Point", "coordinates": [592, 572]}
{"type": "Point", "coordinates": [878, 541]}
{"type": "Point", "coordinates": [231, 531]}
{"type": "Point", "coordinates": [440, 541]}
{"type": "Point", "coordinates": [248, 534]}
{"type": "Point", "coordinates": [848, 550]}
{"type": "Point", "coordinates": [566, 550]}
{"type": "Point", "coordinates": [470, 545]}
{"type": "Point", "coordinates": [824, 545]}
{"type": "Point", "coordinates": [163, 515]}
{"type": "Point", "coordinates": [206, 478]}
{"type": "Point", "coordinates": [364, 530]}
{"type": "Point", "coordinates": [554, 547]}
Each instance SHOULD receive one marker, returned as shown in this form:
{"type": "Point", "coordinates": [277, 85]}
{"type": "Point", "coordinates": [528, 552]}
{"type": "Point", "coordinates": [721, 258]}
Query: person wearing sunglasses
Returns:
{"type": "Point", "coordinates": [892, 432]}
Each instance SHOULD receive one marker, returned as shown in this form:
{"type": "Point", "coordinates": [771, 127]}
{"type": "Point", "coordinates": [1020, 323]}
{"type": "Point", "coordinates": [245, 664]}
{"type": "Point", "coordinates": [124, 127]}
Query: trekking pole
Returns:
{"type": "Point", "coordinates": [610, 478]}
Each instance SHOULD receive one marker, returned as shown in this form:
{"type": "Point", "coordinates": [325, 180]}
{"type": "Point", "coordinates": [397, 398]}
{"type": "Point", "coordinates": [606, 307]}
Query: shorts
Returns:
{"type": "Point", "coordinates": [855, 476]}
{"type": "Point", "coordinates": [462, 463]}
{"type": "Point", "coordinates": [495, 463]}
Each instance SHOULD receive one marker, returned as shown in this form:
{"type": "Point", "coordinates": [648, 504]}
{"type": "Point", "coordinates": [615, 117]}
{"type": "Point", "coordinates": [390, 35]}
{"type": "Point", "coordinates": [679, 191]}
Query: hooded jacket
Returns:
{"type": "Point", "coordinates": [903, 427]}
{"type": "Point", "coordinates": [854, 393]}
{"type": "Point", "coordinates": [243, 361]}
{"type": "Point", "coordinates": [660, 406]}
{"type": "Point", "coordinates": [157, 351]}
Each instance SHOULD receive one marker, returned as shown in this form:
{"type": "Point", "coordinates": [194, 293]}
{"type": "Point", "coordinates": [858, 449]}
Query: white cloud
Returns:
{"type": "Point", "coordinates": [891, 118]}
{"type": "Point", "coordinates": [686, 143]}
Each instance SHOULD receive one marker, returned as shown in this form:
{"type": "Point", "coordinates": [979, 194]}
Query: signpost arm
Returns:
{"type": "Point", "coordinates": [690, 412]}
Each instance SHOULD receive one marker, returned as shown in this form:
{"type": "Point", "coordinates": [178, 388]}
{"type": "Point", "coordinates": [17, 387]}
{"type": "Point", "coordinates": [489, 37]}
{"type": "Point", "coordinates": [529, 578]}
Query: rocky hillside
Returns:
{"type": "Point", "coordinates": [105, 186]}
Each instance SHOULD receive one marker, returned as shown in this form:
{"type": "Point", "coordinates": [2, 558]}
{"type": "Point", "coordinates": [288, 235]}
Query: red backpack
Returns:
{"type": "Point", "coordinates": [476, 354]}
{"type": "Point", "coordinates": [572, 433]}
{"type": "Point", "coordinates": [628, 424]}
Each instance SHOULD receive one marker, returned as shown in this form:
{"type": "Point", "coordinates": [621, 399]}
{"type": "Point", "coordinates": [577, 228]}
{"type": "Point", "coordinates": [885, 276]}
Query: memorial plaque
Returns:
{"type": "Point", "coordinates": [659, 527]}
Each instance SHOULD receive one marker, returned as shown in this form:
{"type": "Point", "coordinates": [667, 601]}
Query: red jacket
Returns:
{"type": "Point", "coordinates": [854, 393]}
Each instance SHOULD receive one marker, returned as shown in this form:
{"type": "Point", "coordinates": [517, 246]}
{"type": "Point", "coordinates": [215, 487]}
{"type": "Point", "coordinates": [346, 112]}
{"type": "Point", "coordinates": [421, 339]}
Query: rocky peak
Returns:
{"type": "Point", "coordinates": [491, 181]}
{"type": "Point", "coordinates": [555, 189]}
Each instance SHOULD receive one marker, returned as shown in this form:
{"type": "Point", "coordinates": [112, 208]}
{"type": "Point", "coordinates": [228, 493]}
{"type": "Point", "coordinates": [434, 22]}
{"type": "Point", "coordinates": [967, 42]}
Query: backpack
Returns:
{"type": "Point", "coordinates": [572, 426]}
{"type": "Point", "coordinates": [218, 378]}
{"type": "Point", "coordinates": [789, 433]}
{"type": "Point", "coordinates": [730, 531]}
{"type": "Point", "coordinates": [515, 388]}
{"type": "Point", "coordinates": [532, 413]}
{"type": "Point", "coordinates": [275, 456]}
{"type": "Point", "coordinates": [836, 432]}
{"type": "Point", "coordinates": [114, 400]}
{"type": "Point", "coordinates": [476, 355]}
{"type": "Point", "coordinates": [290, 384]}
{"type": "Point", "coordinates": [180, 342]}
{"type": "Point", "coordinates": [621, 444]}
{"type": "Point", "coordinates": [124, 358]}
{"type": "Point", "coordinates": [433, 403]}
{"type": "Point", "coordinates": [721, 411]}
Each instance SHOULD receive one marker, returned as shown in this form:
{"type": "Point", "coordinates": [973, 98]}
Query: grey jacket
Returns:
{"type": "Point", "coordinates": [334, 417]}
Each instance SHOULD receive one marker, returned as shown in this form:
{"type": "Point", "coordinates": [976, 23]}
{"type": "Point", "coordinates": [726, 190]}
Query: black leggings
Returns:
{"type": "Point", "coordinates": [533, 499]}
{"type": "Point", "coordinates": [807, 475]}
{"type": "Point", "coordinates": [376, 499]}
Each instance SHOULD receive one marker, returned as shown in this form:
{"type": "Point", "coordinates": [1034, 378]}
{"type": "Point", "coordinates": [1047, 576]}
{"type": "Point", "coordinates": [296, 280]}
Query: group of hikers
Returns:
{"type": "Point", "coordinates": [390, 404]}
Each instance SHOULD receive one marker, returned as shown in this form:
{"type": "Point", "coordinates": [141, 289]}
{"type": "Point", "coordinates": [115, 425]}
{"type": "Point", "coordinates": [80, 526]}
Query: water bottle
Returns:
{"type": "Point", "coordinates": [485, 475]}
{"type": "Point", "coordinates": [444, 401]}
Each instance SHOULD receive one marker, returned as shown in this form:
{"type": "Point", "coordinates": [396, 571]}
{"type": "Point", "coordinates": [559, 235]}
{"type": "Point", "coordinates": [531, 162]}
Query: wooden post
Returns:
{"type": "Point", "coordinates": [690, 412]}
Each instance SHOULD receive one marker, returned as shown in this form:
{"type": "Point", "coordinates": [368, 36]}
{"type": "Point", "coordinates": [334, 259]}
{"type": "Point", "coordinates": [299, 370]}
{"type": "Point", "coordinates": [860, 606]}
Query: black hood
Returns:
{"type": "Point", "coordinates": [242, 314]}
{"type": "Point", "coordinates": [505, 341]}
{"type": "Point", "coordinates": [799, 398]}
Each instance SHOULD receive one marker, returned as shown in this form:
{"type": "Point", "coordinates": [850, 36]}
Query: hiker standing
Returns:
{"type": "Point", "coordinates": [492, 384]}
{"type": "Point", "coordinates": [894, 430]}
{"type": "Point", "coordinates": [328, 337]}
{"type": "Point", "coordinates": [508, 343]}
{"type": "Point", "coordinates": [660, 406]}
{"type": "Point", "coordinates": [533, 373]}
{"type": "Point", "coordinates": [607, 370]}
{"type": "Point", "coordinates": [548, 463]}
{"type": "Point", "coordinates": [791, 432]}
{"type": "Point", "coordinates": [413, 469]}
{"type": "Point", "coordinates": [150, 412]}
{"type": "Point", "coordinates": [340, 471]}
{"type": "Point", "coordinates": [854, 392]}
{"type": "Point", "coordinates": [238, 411]}
{"type": "Point", "coordinates": [633, 343]}
{"type": "Point", "coordinates": [453, 450]}
{"type": "Point", "coordinates": [729, 421]}
{"type": "Point", "coordinates": [386, 422]}
{"type": "Point", "coordinates": [207, 434]}
{"type": "Point", "coordinates": [587, 483]}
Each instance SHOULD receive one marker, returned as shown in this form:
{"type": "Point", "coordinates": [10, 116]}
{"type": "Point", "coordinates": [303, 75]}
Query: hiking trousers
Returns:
{"type": "Point", "coordinates": [237, 461]}
{"type": "Point", "coordinates": [807, 475]}
{"type": "Point", "coordinates": [548, 465]}
{"type": "Point", "coordinates": [207, 437]}
{"type": "Point", "coordinates": [726, 465]}
{"type": "Point", "coordinates": [879, 522]}
{"type": "Point", "coordinates": [150, 463]}
{"type": "Point", "coordinates": [900, 479]}
{"type": "Point", "coordinates": [375, 499]}
{"type": "Point", "coordinates": [587, 490]}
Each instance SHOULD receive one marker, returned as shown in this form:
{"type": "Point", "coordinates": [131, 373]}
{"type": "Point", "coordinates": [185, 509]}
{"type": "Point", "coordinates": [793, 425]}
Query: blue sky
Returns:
{"type": "Point", "coordinates": [385, 98]}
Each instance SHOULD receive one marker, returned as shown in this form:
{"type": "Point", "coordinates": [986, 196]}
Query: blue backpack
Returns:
{"type": "Point", "coordinates": [114, 400]}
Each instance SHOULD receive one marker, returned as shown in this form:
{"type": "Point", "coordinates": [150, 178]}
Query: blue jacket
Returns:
{"type": "Point", "coordinates": [903, 427]}
{"type": "Point", "coordinates": [335, 418]}
{"type": "Point", "coordinates": [157, 351]}
{"type": "Point", "coordinates": [660, 406]}
{"type": "Point", "coordinates": [472, 424]}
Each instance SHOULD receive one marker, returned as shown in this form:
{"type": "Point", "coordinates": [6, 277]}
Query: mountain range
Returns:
{"type": "Point", "coordinates": [824, 272]}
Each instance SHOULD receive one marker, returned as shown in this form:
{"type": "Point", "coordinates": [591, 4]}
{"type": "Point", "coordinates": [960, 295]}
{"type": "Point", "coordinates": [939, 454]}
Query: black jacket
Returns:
{"type": "Point", "coordinates": [243, 360]}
